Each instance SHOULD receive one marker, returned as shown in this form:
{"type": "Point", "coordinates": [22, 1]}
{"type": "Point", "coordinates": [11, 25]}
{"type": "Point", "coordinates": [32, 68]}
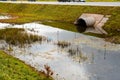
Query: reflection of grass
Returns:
{"type": "Point", "coordinates": [13, 69]}
{"type": "Point", "coordinates": [77, 54]}
{"type": "Point", "coordinates": [97, 35]}
{"type": "Point", "coordinates": [62, 16]}
{"type": "Point", "coordinates": [18, 36]}
{"type": "Point", "coordinates": [63, 44]}
{"type": "Point", "coordinates": [114, 39]}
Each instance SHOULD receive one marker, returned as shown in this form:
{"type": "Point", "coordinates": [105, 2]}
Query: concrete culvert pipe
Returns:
{"type": "Point", "coordinates": [84, 22]}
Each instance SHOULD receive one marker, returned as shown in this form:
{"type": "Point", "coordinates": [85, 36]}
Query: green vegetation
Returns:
{"type": "Point", "coordinates": [62, 25]}
{"type": "Point", "coordinates": [62, 16]}
{"type": "Point", "coordinates": [18, 36]}
{"type": "Point", "coordinates": [63, 44]}
{"type": "Point", "coordinates": [13, 69]}
{"type": "Point", "coordinates": [86, 0]}
{"type": "Point", "coordinates": [77, 54]}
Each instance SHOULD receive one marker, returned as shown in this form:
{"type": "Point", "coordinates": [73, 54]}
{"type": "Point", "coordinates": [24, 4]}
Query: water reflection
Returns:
{"type": "Point", "coordinates": [86, 58]}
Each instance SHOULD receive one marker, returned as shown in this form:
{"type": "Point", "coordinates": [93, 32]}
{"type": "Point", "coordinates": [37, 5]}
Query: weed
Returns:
{"type": "Point", "coordinates": [18, 36]}
{"type": "Point", "coordinates": [63, 44]}
{"type": "Point", "coordinates": [77, 54]}
{"type": "Point", "coordinates": [47, 71]}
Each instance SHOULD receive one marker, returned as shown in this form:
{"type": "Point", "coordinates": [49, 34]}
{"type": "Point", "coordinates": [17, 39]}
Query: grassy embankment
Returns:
{"type": "Point", "coordinates": [13, 69]}
{"type": "Point", "coordinates": [62, 16]}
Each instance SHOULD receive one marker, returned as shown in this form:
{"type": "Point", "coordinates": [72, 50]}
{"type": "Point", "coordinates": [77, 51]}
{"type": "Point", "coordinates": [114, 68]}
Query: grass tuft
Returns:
{"type": "Point", "coordinates": [18, 36]}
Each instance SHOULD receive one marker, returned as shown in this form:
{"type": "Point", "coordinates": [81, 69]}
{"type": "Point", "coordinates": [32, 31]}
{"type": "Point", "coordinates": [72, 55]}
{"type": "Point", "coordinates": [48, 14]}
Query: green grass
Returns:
{"type": "Point", "coordinates": [62, 16]}
{"type": "Point", "coordinates": [62, 25]}
{"type": "Point", "coordinates": [86, 0]}
{"type": "Point", "coordinates": [18, 36]}
{"type": "Point", "coordinates": [13, 69]}
{"type": "Point", "coordinates": [89, 0]}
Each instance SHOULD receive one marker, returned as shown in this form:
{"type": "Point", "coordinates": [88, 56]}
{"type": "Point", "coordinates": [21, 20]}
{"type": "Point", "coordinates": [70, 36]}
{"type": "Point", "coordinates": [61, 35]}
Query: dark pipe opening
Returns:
{"type": "Point", "coordinates": [81, 25]}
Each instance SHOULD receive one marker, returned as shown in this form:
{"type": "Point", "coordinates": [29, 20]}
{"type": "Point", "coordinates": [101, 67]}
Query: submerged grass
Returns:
{"type": "Point", "coordinates": [13, 69]}
{"type": "Point", "coordinates": [78, 55]}
{"type": "Point", "coordinates": [63, 44]}
{"type": "Point", "coordinates": [18, 36]}
{"type": "Point", "coordinates": [61, 16]}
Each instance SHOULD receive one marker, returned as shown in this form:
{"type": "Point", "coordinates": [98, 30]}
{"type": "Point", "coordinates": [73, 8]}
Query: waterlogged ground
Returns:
{"type": "Point", "coordinates": [91, 58]}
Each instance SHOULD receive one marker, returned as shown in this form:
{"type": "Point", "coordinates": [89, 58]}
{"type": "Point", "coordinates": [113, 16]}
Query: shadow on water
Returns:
{"type": "Point", "coordinates": [81, 25]}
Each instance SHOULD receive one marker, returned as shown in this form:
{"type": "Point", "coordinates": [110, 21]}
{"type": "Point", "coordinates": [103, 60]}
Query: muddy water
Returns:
{"type": "Point", "coordinates": [102, 58]}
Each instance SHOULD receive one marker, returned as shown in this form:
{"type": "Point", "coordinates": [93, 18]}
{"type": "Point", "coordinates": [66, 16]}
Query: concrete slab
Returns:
{"type": "Point", "coordinates": [100, 20]}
